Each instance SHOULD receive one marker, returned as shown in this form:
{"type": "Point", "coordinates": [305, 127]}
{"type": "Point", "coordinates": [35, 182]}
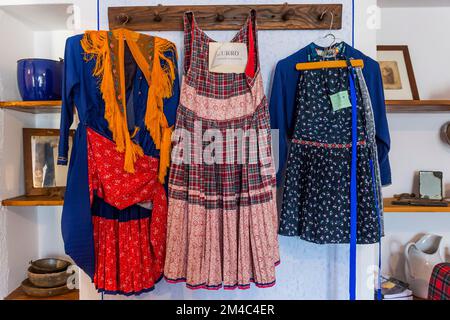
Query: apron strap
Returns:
{"type": "Point", "coordinates": [252, 62]}
{"type": "Point", "coordinates": [189, 37]}
{"type": "Point", "coordinates": [354, 196]}
{"type": "Point", "coordinates": [377, 208]}
{"type": "Point", "coordinates": [353, 186]}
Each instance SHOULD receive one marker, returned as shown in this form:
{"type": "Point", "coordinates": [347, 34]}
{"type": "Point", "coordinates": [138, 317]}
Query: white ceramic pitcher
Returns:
{"type": "Point", "coordinates": [421, 257]}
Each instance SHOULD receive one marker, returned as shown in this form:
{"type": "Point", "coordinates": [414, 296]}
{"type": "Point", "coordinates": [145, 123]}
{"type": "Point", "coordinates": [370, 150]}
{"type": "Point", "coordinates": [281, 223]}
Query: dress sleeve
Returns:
{"type": "Point", "coordinates": [171, 104]}
{"type": "Point", "coordinates": [383, 140]}
{"type": "Point", "coordinates": [281, 116]}
{"type": "Point", "coordinates": [70, 81]}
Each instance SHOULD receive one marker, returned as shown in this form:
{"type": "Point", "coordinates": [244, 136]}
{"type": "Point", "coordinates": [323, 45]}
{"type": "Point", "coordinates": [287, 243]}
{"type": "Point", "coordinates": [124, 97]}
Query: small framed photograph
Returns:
{"type": "Point", "coordinates": [42, 174]}
{"type": "Point", "coordinates": [397, 72]}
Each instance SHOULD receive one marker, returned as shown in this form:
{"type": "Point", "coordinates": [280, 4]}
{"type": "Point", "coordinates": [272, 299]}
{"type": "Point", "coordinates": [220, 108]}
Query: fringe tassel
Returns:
{"type": "Point", "coordinates": [162, 78]}
{"type": "Point", "coordinates": [95, 43]}
{"type": "Point", "coordinates": [164, 154]}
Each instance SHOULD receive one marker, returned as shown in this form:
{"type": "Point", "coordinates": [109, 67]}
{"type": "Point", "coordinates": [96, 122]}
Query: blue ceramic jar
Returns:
{"type": "Point", "coordinates": [39, 79]}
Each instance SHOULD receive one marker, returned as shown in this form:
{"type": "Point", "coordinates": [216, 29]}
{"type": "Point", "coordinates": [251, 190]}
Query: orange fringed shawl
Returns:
{"type": "Point", "coordinates": [159, 71]}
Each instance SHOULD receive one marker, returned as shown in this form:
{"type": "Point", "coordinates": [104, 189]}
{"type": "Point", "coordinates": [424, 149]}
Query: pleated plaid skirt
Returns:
{"type": "Point", "coordinates": [222, 219]}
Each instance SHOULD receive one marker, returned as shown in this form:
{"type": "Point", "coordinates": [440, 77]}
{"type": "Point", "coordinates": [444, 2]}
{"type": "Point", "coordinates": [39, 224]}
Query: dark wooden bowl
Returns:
{"type": "Point", "coordinates": [34, 291]}
{"type": "Point", "coordinates": [47, 280]}
{"type": "Point", "coordinates": [50, 265]}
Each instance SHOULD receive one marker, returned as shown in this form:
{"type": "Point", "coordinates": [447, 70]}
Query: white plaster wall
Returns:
{"type": "Point", "coordinates": [50, 45]}
{"type": "Point", "coordinates": [49, 218]}
{"type": "Point", "coordinates": [18, 232]}
{"type": "Point", "coordinates": [416, 144]}
{"type": "Point", "coordinates": [86, 9]}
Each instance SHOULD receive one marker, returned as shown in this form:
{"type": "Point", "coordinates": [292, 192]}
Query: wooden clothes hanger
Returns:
{"type": "Point", "coordinates": [328, 64]}
{"type": "Point", "coordinates": [356, 63]}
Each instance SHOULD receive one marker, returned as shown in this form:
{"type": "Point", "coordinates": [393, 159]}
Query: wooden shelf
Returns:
{"type": "Point", "coordinates": [417, 106]}
{"type": "Point", "coordinates": [32, 106]}
{"type": "Point", "coordinates": [392, 106]}
{"type": "Point", "coordinates": [389, 207]}
{"type": "Point", "coordinates": [58, 201]}
{"type": "Point", "coordinates": [19, 294]}
{"type": "Point", "coordinates": [28, 201]}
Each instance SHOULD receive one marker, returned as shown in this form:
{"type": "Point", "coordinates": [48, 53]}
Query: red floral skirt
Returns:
{"type": "Point", "coordinates": [129, 239]}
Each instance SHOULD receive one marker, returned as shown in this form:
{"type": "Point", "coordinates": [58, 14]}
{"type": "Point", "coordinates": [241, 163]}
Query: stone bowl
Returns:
{"type": "Point", "coordinates": [34, 291]}
{"type": "Point", "coordinates": [49, 265]}
{"type": "Point", "coordinates": [47, 280]}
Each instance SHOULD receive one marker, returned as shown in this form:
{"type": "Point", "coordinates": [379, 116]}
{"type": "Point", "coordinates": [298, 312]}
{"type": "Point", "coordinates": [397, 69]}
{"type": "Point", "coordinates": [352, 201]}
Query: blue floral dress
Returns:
{"type": "Point", "coordinates": [316, 199]}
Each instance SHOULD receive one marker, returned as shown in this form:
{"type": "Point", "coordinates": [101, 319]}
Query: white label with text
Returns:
{"type": "Point", "coordinates": [227, 57]}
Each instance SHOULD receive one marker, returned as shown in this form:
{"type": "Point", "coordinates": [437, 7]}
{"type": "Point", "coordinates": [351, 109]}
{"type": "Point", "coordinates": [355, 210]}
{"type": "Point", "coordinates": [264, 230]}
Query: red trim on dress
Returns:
{"type": "Point", "coordinates": [327, 145]}
{"type": "Point", "coordinates": [225, 287]}
{"type": "Point", "coordinates": [250, 68]}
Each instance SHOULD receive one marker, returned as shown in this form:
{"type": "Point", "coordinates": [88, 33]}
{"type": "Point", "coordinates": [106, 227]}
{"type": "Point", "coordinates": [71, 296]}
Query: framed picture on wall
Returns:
{"type": "Point", "coordinates": [42, 174]}
{"type": "Point", "coordinates": [397, 72]}
{"type": "Point", "coordinates": [430, 185]}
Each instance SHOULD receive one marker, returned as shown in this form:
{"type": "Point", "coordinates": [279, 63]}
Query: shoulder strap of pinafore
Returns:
{"type": "Point", "coordinates": [189, 36]}
{"type": "Point", "coordinates": [250, 35]}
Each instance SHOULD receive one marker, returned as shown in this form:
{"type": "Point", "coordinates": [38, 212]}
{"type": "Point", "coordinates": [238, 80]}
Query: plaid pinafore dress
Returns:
{"type": "Point", "coordinates": [222, 220]}
{"type": "Point", "coordinates": [316, 200]}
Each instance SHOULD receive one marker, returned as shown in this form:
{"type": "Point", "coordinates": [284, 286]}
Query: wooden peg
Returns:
{"type": "Point", "coordinates": [333, 15]}
{"type": "Point", "coordinates": [123, 19]}
{"type": "Point", "coordinates": [220, 17]}
{"type": "Point", "coordinates": [157, 17]}
{"type": "Point", "coordinates": [226, 17]}
{"type": "Point", "coordinates": [287, 12]}
{"type": "Point", "coordinates": [320, 17]}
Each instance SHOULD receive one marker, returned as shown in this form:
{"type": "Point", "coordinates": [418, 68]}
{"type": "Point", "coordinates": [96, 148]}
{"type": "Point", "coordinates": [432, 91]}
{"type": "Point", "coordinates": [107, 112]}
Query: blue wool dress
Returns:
{"type": "Point", "coordinates": [81, 90]}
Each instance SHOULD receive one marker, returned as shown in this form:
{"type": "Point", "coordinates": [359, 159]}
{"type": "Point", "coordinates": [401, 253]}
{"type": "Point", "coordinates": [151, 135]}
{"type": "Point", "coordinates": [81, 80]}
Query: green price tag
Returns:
{"type": "Point", "coordinates": [340, 100]}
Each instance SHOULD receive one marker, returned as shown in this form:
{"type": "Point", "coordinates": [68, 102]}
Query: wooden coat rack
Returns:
{"type": "Point", "coordinates": [227, 17]}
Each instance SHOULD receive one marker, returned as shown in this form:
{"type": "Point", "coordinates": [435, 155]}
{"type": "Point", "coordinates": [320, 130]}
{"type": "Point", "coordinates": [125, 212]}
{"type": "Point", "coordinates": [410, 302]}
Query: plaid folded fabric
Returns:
{"type": "Point", "coordinates": [439, 288]}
